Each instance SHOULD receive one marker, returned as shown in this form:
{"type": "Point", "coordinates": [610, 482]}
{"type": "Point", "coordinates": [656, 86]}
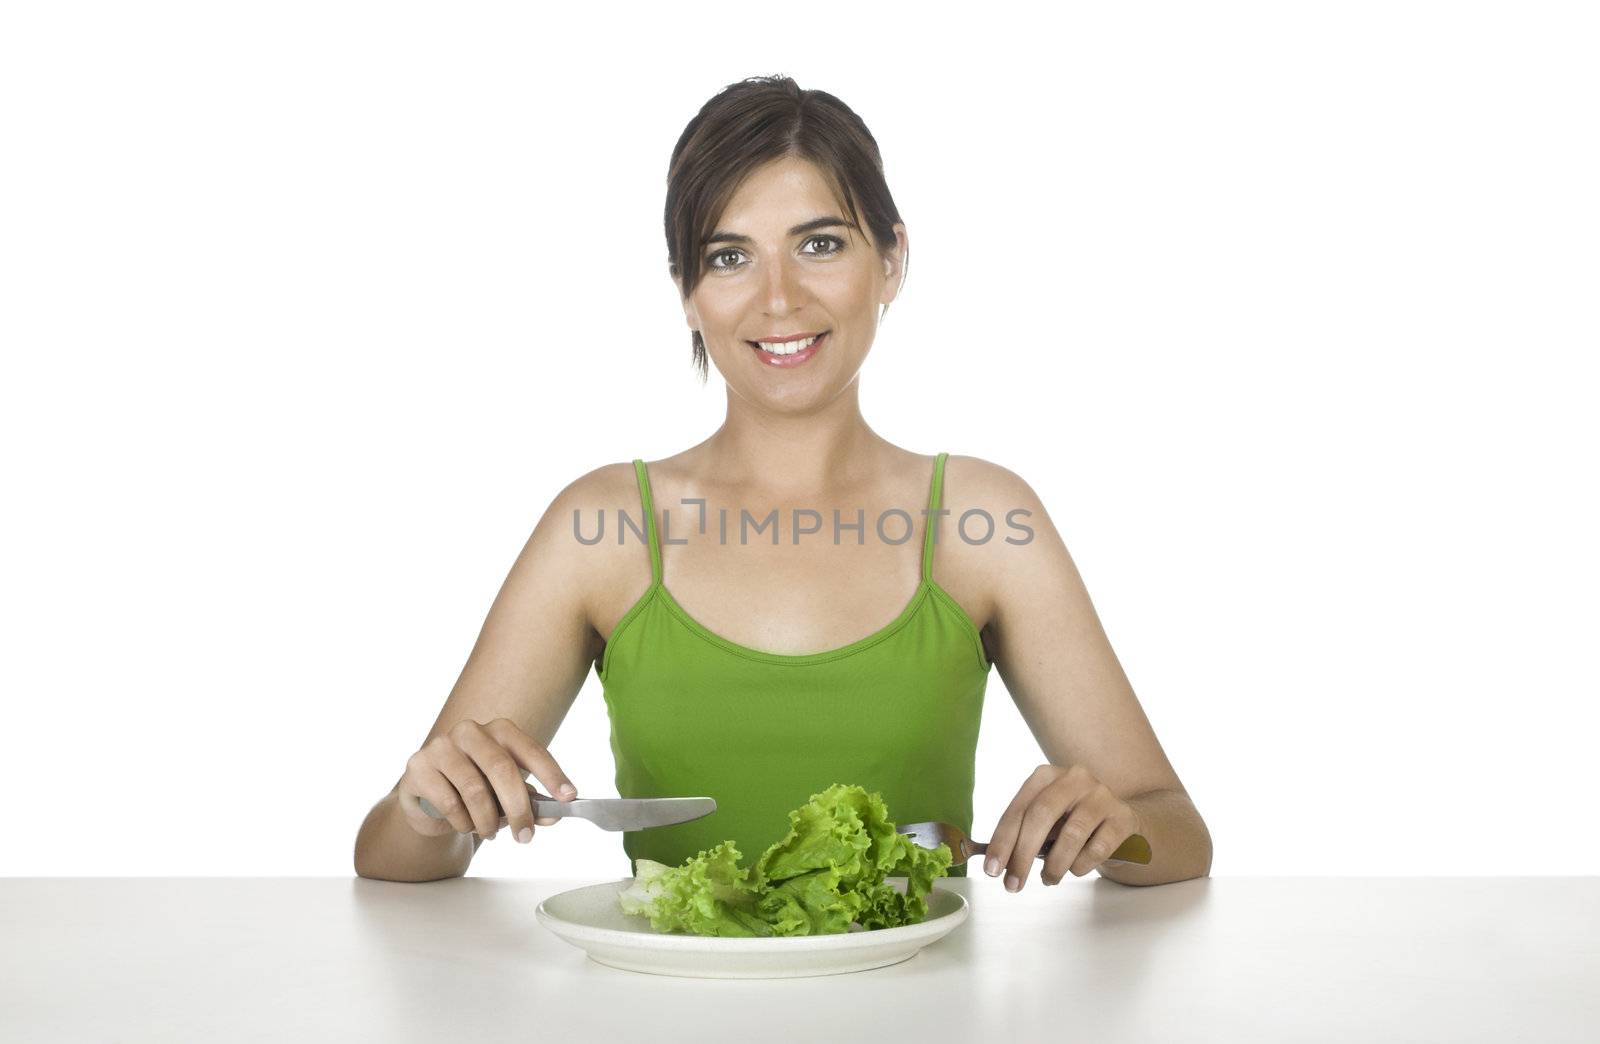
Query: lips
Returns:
{"type": "Point", "coordinates": [796, 358]}
{"type": "Point", "coordinates": [786, 340]}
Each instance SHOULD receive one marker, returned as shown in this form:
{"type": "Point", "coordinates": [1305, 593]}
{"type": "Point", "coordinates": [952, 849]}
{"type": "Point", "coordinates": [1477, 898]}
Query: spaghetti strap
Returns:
{"type": "Point", "coordinates": [649, 521]}
{"type": "Point", "coordinates": [930, 520]}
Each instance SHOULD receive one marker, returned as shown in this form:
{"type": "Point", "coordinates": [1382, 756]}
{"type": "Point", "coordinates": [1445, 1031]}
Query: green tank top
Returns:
{"type": "Point", "coordinates": [696, 715]}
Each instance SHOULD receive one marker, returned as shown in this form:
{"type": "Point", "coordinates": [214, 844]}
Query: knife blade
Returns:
{"type": "Point", "coordinates": [613, 813]}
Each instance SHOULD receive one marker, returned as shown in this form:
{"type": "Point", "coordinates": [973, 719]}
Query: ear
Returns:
{"type": "Point", "coordinates": [894, 265]}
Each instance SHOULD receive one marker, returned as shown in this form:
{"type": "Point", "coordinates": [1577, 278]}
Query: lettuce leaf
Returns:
{"type": "Point", "coordinates": [826, 874]}
{"type": "Point", "coordinates": [708, 895]}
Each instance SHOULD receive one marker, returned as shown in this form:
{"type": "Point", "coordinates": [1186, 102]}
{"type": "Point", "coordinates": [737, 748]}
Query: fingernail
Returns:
{"type": "Point", "coordinates": [991, 866]}
{"type": "Point", "coordinates": [1012, 884]}
{"type": "Point", "coordinates": [525, 835]}
{"type": "Point", "coordinates": [568, 790]}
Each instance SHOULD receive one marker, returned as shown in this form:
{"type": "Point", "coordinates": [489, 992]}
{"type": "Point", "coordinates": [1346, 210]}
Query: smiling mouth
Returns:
{"type": "Point", "coordinates": [782, 348]}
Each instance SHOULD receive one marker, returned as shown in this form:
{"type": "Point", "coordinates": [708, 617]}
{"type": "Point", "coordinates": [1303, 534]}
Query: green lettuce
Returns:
{"type": "Point", "coordinates": [827, 874]}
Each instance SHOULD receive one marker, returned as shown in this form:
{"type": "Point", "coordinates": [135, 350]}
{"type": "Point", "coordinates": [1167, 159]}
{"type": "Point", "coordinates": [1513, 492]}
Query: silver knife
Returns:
{"type": "Point", "coordinates": [614, 813]}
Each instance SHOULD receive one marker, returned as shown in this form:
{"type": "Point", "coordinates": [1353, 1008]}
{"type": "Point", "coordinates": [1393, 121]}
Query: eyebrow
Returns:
{"type": "Point", "coordinates": [807, 226]}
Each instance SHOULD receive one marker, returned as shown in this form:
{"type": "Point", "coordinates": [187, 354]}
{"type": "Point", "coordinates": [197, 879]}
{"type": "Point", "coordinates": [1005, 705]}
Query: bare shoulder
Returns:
{"type": "Point", "coordinates": [996, 528]}
{"type": "Point", "coordinates": [567, 538]}
{"type": "Point", "coordinates": [989, 494]}
{"type": "Point", "coordinates": [981, 478]}
{"type": "Point", "coordinates": [609, 485]}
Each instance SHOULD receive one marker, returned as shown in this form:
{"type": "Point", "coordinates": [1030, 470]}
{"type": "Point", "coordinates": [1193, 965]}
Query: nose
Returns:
{"type": "Point", "coordinates": [783, 286]}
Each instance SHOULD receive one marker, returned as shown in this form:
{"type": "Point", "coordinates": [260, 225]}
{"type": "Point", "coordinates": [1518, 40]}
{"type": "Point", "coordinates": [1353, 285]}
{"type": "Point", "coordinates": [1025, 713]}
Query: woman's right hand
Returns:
{"type": "Point", "coordinates": [474, 772]}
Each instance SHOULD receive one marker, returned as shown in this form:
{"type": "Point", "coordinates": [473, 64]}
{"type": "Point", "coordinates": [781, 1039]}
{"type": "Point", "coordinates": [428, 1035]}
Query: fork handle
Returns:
{"type": "Point", "coordinates": [1134, 850]}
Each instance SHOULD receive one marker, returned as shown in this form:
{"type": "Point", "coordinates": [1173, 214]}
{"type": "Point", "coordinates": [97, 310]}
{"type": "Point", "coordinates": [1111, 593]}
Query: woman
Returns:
{"type": "Point", "coordinates": [759, 669]}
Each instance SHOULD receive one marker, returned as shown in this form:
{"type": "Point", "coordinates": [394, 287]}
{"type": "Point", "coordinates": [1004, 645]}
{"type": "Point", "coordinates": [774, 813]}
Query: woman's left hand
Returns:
{"type": "Point", "coordinates": [1097, 823]}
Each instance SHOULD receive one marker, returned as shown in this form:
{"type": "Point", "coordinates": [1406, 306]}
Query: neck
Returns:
{"type": "Point", "coordinates": [789, 454]}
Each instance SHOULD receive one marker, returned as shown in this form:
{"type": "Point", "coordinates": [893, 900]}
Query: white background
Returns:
{"type": "Point", "coordinates": [1288, 313]}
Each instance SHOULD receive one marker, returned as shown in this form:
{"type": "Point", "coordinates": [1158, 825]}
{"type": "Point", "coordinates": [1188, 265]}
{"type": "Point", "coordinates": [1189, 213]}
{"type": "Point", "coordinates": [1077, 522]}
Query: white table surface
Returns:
{"type": "Point", "coordinates": [1218, 959]}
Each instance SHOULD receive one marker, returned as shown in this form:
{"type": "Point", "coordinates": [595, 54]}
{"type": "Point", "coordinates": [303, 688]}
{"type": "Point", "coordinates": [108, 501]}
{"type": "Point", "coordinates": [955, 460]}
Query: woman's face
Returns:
{"type": "Point", "coordinates": [782, 262]}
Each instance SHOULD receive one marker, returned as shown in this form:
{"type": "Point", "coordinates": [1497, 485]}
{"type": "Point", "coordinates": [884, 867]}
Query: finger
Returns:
{"type": "Point", "coordinates": [1075, 831]}
{"type": "Point", "coordinates": [1037, 821]}
{"type": "Point", "coordinates": [419, 820]}
{"type": "Point", "coordinates": [1004, 837]}
{"type": "Point", "coordinates": [505, 779]}
{"type": "Point", "coordinates": [545, 820]}
{"type": "Point", "coordinates": [474, 790]}
{"type": "Point", "coordinates": [1113, 830]}
{"type": "Point", "coordinates": [1055, 804]}
{"type": "Point", "coordinates": [430, 783]}
{"type": "Point", "coordinates": [533, 756]}
{"type": "Point", "coordinates": [534, 796]}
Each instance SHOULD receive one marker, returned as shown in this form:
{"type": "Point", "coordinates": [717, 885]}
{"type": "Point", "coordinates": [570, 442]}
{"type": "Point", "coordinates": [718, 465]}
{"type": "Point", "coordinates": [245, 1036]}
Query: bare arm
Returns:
{"type": "Point", "coordinates": [532, 655]}
{"type": "Point", "coordinates": [1053, 654]}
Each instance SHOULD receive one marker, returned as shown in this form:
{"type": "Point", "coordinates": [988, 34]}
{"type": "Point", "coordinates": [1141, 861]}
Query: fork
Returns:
{"type": "Point", "coordinates": [931, 835]}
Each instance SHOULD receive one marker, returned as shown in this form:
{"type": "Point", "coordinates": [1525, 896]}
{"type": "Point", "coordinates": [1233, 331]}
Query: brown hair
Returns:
{"type": "Point", "coordinates": [750, 123]}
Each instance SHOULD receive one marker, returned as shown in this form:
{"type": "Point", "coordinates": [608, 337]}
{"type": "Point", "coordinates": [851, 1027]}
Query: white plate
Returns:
{"type": "Point", "coordinates": [590, 919]}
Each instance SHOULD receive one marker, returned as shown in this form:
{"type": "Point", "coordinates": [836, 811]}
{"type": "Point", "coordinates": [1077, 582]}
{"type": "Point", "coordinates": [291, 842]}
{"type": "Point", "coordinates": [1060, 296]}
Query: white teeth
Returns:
{"type": "Point", "coordinates": [787, 347]}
